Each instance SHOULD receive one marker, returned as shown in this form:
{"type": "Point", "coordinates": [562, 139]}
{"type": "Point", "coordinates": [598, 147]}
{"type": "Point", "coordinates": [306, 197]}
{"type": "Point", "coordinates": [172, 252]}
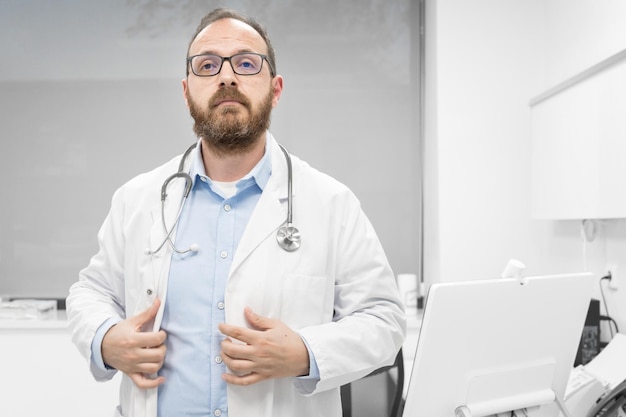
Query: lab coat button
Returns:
{"type": "Point", "coordinates": [217, 412]}
{"type": "Point", "coordinates": [149, 291]}
{"type": "Point", "coordinates": [220, 305]}
{"type": "Point", "coordinates": [218, 359]}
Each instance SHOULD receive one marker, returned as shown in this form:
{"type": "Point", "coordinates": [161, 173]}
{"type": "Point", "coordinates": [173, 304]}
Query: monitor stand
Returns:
{"type": "Point", "coordinates": [464, 411]}
{"type": "Point", "coordinates": [505, 390]}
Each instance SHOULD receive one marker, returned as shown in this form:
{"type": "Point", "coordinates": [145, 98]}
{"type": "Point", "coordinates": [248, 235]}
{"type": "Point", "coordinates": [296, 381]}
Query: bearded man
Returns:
{"type": "Point", "coordinates": [202, 293]}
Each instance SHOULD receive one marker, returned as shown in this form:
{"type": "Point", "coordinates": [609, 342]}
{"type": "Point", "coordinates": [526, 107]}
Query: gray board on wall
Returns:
{"type": "Point", "coordinates": [88, 103]}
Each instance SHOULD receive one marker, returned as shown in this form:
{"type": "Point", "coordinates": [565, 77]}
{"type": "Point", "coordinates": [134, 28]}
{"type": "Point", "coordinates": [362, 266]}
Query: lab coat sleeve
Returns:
{"type": "Point", "coordinates": [368, 327]}
{"type": "Point", "coordinates": [98, 295]}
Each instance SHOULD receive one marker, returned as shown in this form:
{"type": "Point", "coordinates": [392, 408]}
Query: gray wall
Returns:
{"type": "Point", "coordinates": [90, 96]}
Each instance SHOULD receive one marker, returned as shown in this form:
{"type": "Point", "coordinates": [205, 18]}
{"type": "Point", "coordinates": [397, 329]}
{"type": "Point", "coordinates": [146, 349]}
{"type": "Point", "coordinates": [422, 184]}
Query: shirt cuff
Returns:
{"type": "Point", "coordinates": [314, 371]}
{"type": "Point", "coordinates": [96, 345]}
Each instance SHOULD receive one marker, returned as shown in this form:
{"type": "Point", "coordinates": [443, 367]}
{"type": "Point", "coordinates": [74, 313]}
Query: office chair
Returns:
{"type": "Point", "coordinates": [392, 378]}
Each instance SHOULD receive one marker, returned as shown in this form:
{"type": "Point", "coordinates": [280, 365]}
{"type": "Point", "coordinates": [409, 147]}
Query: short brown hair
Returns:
{"type": "Point", "coordinates": [222, 13]}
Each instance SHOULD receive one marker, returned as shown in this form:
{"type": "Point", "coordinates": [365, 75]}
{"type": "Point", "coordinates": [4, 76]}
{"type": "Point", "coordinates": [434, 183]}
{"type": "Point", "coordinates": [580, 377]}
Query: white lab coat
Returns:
{"type": "Point", "coordinates": [337, 290]}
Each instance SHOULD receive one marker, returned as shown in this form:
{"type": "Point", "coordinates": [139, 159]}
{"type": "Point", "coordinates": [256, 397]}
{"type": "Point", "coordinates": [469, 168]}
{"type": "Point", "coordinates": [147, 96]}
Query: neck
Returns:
{"type": "Point", "coordinates": [231, 166]}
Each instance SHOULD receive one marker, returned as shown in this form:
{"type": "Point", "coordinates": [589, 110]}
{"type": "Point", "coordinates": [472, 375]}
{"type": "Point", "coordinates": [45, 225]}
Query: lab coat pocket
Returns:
{"type": "Point", "coordinates": [306, 300]}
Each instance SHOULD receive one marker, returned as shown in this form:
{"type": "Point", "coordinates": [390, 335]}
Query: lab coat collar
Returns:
{"type": "Point", "coordinates": [260, 173]}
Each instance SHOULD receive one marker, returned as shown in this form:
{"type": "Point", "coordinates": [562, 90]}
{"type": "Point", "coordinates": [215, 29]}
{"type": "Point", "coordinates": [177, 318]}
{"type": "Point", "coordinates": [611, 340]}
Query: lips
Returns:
{"type": "Point", "coordinates": [228, 97]}
{"type": "Point", "coordinates": [226, 101]}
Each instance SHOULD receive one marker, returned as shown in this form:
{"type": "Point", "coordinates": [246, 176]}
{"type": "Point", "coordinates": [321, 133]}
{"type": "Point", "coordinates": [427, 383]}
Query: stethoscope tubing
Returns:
{"type": "Point", "coordinates": [289, 185]}
{"type": "Point", "coordinates": [288, 236]}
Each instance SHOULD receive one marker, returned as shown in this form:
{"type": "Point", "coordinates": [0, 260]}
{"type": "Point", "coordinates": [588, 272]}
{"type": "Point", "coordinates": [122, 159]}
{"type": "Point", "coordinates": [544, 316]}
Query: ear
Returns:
{"type": "Point", "coordinates": [277, 86]}
{"type": "Point", "coordinates": [185, 91]}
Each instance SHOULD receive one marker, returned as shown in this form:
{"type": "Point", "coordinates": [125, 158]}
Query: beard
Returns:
{"type": "Point", "coordinates": [228, 130]}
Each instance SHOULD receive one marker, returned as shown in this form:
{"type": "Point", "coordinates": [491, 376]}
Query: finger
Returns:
{"type": "Point", "coordinates": [235, 351]}
{"type": "Point", "coordinates": [150, 355]}
{"type": "Point", "coordinates": [142, 381]}
{"type": "Point", "coordinates": [248, 379]}
{"type": "Point", "coordinates": [148, 368]}
{"type": "Point", "coordinates": [256, 321]}
{"type": "Point", "coordinates": [146, 315]}
{"type": "Point", "coordinates": [238, 366]}
{"type": "Point", "coordinates": [147, 364]}
{"type": "Point", "coordinates": [150, 339]}
{"type": "Point", "coordinates": [143, 365]}
{"type": "Point", "coordinates": [236, 348]}
{"type": "Point", "coordinates": [241, 334]}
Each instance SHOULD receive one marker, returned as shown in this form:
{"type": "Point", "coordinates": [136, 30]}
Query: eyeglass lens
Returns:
{"type": "Point", "coordinates": [242, 64]}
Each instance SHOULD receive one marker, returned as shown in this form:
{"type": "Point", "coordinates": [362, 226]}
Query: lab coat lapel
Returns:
{"type": "Point", "coordinates": [270, 212]}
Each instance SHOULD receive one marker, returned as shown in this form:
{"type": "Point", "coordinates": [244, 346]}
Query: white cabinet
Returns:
{"type": "Point", "coordinates": [42, 374]}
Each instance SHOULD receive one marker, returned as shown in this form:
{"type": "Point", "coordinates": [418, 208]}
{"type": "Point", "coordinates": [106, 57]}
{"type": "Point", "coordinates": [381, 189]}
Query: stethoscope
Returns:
{"type": "Point", "coordinates": [288, 236]}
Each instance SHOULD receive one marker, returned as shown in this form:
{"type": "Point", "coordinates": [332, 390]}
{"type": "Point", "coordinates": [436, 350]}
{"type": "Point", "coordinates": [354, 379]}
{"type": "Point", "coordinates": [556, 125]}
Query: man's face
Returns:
{"type": "Point", "coordinates": [231, 128]}
{"type": "Point", "coordinates": [231, 112]}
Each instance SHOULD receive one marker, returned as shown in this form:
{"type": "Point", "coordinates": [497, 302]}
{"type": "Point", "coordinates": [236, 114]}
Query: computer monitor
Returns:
{"type": "Point", "coordinates": [497, 345]}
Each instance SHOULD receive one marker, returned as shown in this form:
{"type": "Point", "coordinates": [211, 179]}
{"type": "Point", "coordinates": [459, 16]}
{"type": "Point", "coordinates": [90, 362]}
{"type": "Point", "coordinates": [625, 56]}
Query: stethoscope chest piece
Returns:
{"type": "Point", "coordinates": [288, 238]}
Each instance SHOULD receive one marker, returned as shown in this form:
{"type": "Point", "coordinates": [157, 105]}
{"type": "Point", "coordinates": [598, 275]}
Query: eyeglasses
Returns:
{"type": "Point", "coordinates": [245, 63]}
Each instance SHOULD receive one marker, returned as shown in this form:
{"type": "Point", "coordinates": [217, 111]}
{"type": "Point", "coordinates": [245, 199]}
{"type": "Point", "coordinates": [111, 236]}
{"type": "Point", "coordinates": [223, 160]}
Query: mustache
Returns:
{"type": "Point", "coordinates": [229, 93]}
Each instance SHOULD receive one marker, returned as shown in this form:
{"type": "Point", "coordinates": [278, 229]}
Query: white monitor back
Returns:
{"type": "Point", "coordinates": [498, 345]}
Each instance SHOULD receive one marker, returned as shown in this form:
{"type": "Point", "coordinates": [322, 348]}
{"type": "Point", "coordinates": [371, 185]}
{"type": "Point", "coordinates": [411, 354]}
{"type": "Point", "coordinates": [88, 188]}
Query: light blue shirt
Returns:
{"type": "Point", "coordinates": [195, 298]}
{"type": "Point", "coordinates": [194, 304]}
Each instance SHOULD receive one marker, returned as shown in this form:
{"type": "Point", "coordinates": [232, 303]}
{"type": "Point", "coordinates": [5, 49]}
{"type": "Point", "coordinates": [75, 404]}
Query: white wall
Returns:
{"type": "Point", "coordinates": [579, 34]}
{"type": "Point", "coordinates": [582, 33]}
{"type": "Point", "coordinates": [485, 60]}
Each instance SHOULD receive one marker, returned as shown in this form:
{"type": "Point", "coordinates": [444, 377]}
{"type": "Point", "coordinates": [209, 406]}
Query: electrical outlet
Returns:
{"type": "Point", "coordinates": [613, 282]}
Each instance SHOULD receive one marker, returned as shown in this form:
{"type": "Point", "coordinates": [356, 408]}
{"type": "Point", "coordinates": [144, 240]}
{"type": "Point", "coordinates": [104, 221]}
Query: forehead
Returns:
{"type": "Point", "coordinates": [227, 36]}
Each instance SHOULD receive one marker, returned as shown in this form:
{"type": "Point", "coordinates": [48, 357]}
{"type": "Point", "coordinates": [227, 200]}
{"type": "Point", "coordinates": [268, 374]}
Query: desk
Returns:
{"type": "Point", "coordinates": [42, 373]}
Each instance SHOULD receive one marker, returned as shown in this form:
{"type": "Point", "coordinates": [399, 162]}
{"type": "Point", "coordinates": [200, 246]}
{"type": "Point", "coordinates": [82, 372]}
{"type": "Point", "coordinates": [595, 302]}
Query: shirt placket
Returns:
{"type": "Point", "coordinates": [224, 251]}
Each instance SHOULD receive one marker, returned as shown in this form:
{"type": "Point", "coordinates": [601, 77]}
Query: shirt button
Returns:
{"type": "Point", "coordinates": [217, 412]}
{"type": "Point", "coordinates": [220, 305]}
{"type": "Point", "coordinates": [227, 207]}
{"type": "Point", "coordinates": [223, 254]}
{"type": "Point", "coordinates": [218, 359]}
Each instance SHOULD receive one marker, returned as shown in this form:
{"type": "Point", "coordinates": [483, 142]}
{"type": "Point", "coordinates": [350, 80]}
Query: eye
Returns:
{"type": "Point", "coordinates": [247, 63]}
{"type": "Point", "coordinates": [206, 64]}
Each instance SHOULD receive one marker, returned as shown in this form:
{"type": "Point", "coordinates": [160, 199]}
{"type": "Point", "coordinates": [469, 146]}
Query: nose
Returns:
{"type": "Point", "coordinates": [227, 76]}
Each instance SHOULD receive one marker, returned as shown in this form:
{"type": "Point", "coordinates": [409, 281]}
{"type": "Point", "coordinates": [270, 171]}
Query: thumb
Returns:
{"type": "Point", "coordinates": [256, 321]}
{"type": "Point", "coordinates": [147, 315]}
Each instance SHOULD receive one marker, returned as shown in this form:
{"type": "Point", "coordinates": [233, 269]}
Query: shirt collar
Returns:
{"type": "Point", "coordinates": [260, 174]}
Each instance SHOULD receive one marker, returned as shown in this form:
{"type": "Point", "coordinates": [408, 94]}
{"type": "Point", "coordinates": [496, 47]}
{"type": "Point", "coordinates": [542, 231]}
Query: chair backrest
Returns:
{"type": "Point", "coordinates": [362, 398]}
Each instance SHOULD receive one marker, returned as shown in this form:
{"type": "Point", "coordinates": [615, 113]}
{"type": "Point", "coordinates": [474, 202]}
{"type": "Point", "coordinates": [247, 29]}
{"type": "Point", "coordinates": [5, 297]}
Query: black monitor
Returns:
{"type": "Point", "coordinates": [590, 340]}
